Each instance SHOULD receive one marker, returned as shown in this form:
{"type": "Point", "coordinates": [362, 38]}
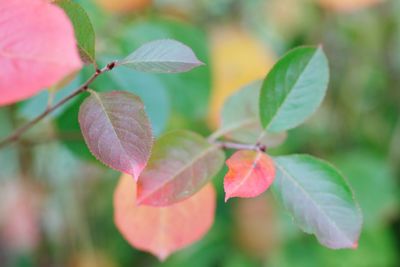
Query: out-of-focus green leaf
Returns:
{"type": "Point", "coordinates": [8, 155]}
{"type": "Point", "coordinates": [83, 28]}
{"type": "Point", "coordinates": [374, 185]}
{"type": "Point", "coordinates": [376, 248]}
{"type": "Point", "coordinates": [319, 199]}
{"type": "Point", "coordinates": [293, 89]}
{"type": "Point", "coordinates": [240, 118]}
{"type": "Point", "coordinates": [69, 131]}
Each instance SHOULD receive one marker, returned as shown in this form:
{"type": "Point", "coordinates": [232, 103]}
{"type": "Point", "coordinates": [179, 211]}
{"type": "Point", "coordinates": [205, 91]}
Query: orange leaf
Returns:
{"type": "Point", "coordinates": [347, 5]}
{"type": "Point", "coordinates": [250, 174]}
{"type": "Point", "coordinates": [161, 231]}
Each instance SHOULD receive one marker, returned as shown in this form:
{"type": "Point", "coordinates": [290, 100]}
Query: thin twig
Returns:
{"type": "Point", "coordinates": [240, 146]}
{"type": "Point", "coordinates": [84, 87]}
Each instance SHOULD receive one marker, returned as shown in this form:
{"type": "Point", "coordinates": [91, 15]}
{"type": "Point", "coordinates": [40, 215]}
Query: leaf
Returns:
{"type": "Point", "coordinates": [162, 230]}
{"type": "Point", "coordinates": [188, 106]}
{"type": "Point", "coordinates": [348, 5]}
{"type": "Point", "coordinates": [319, 199]}
{"type": "Point", "coordinates": [240, 119]}
{"type": "Point", "coordinates": [250, 174]}
{"type": "Point", "coordinates": [181, 163]}
{"type": "Point", "coordinates": [37, 48]}
{"type": "Point", "coordinates": [232, 68]}
{"type": "Point", "coordinates": [116, 130]}
{"type": "Point", "coordinates": [162, 56]}
{"type": "Point", "coordinates": [156, 100]}
{"type": "Point", "coordinates": [83, 28]}
{"type": "Point", "coordinates": [293, 89]}
{"type": "Point", "coordinates": [374, 184]}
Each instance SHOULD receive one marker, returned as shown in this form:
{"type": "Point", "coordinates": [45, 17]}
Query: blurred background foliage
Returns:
{"type": "Point", "coordinates": [56, 200]}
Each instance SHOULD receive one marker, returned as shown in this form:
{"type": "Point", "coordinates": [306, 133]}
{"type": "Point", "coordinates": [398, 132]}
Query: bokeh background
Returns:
{"type": "Point", "coordinates": [56, 200]}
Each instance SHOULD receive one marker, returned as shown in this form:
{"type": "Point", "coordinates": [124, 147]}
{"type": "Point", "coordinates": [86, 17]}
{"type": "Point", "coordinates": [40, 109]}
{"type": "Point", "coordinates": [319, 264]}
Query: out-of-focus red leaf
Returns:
{"type": "Point", "coordinates": [19, 215]}
{"type": "Point", "coordinates": [37, 48]}
{"type": "Point", "coordinates": [255, 224]}
{"type": "Point", "coordinates": [250, 174]}
{"type": "Point", "coordinates": [162, 230]}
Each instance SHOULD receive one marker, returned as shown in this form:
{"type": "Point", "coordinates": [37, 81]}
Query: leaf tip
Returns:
{"type": "Point", "coordinates": [355, 245]}
{"type": "Point", "coordinates": [200, 63]}
{"type": "Point", "coordinates": [162, 255]}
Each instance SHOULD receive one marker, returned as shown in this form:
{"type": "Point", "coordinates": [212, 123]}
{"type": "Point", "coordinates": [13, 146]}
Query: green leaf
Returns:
{"type": "Point", "coordinates": [181, 163]}
{"type": "Point", "coordinates": [161, 56]}
{"type": "Point", "coordinates": [240, 119]}
{"type": "Point", "coordinates": [319, 199]}
{"type": "Point", "coordinates": [83, 28]}
{"type": "Point", "coordinates": [293, 89]}
{"type": "Point", "coordinates": [189, 91]}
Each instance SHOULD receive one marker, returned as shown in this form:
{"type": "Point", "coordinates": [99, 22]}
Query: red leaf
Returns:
{"type": "Point", "coordinates": [162, 230]}
{"type": "Point", "coordinates": [117, 131]}
{"type": "Point", "coordinates": [181, 163]}
{"type": "Point", "coordinates": [250, 174]}
{"type": "Point", "coordinates": [37, 48]}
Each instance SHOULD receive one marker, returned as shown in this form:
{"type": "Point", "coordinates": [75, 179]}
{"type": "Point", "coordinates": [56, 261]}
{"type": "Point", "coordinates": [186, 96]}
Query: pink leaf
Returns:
{"type": "Point", "coordinates": [162, 230]}
{"type": "Point", "coordinates": [250, 174]}
{"type": "Point", "coordinates": [117, 130]}
{"type": "Point", "coordinates": [37, 48]}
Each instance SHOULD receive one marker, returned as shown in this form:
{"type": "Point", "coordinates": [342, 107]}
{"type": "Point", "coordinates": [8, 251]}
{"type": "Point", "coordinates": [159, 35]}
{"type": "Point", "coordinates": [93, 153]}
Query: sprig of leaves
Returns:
{"type": "Point", "coordinates": [172, 175]}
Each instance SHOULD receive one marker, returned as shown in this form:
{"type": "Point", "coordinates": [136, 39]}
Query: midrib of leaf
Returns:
{"type": "Point", "coordinates": [287, 96]}
{"type": "Point", "coordinates": [161, 233]}
{"type": "Point", "coordinates": [248, 173]}
{"type": "Point", "coordinates": [307, 195]}
{"type": "Point", "coordinates": [181, 170]}
{"type": "Point", "coordinates": [97, 97]}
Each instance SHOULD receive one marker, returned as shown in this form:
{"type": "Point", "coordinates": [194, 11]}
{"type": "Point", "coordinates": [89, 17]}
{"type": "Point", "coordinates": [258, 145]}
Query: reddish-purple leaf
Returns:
{"type": "Point", "coordinates": [250, 174]}
{"type": "Point", "coordinates": [37, 48]}
{"type": "Point", "coordinates": [181, 163]}
{"type": "Point", "coordinates": [117, 130]}
{"type": "Point", "coordinates": [162, 230]}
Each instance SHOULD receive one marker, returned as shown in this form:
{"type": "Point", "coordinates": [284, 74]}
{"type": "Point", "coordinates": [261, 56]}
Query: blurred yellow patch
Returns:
{"type": "Point", "coordinates": [91, 259]}
{"type": "Point", "coordinates": [123, 6]}
{"type": "Point", "coordinates": [287, 17]}
{"type": "Point", "coordinates": [237, 59]}
{"type": "Point", "coordinates": [347, 5]}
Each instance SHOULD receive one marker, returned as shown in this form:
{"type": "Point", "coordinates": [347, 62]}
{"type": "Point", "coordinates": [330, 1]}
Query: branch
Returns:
{"type": "Point", "coordinates": [84, 87]}
{"type": "Point", "coordinates": [239, 146]}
